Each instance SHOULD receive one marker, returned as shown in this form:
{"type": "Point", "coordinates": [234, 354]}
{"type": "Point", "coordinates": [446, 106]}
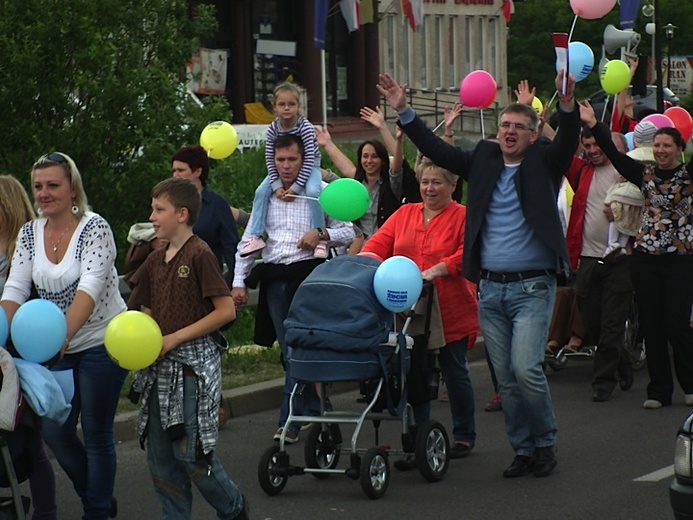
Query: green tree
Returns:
{"type": "Point", "coordinates": [104, 82]}
{"type": "Point", "coordinates": [531, 52]}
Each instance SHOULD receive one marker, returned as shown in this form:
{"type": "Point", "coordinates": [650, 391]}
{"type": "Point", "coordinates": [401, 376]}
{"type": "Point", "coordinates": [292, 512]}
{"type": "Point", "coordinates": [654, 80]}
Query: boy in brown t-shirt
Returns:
{"type": "Point", "coordinates": [182, 288]}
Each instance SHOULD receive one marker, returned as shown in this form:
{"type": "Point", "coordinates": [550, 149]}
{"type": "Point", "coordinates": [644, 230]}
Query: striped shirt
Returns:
{"type": "Point", "coordinates": [303, 129]}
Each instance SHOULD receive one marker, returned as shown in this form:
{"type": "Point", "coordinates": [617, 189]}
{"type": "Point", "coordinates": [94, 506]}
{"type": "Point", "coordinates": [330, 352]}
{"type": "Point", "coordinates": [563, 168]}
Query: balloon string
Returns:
{"type": "Point", "coordinates": [300, 196]}
{"type": "Point", "coordinates": [570, 36]}
{"type": "Point", "coordinates": [553, 97]}
{"type": "Point", "coordinates": [438, 126]}
{"type": "Point", "coordinates": [483, 134]}
{"type": "Point", "coordinates": [606, 104]}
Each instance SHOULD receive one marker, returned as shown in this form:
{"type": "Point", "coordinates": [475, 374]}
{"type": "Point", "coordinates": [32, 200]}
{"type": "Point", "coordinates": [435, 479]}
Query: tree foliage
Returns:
{"type": "Point", "coordinates": [104, 82]}
{"type": "Point", "coordinates": [531, 53]}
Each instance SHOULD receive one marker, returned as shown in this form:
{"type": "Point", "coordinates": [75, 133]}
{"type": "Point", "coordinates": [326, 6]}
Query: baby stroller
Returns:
{"type": "Point", "coordinates": [19, 437]}
{"type": "Point", "coordinates": [338, 331]}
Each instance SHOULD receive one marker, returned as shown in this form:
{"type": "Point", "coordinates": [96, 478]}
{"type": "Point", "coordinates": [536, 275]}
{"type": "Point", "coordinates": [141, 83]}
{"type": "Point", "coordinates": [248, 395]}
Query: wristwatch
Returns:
{"type": "Point", "coordinates": [321, 233]}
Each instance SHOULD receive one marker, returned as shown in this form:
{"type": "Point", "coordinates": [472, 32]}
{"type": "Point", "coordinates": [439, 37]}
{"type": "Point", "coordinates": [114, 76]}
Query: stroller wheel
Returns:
{"type": "Point", "coordinates": [272, 479]}
{"type": "Point", "coordinates": [322, 447]}
{"type": "Point", "coordinates": [375, 473]}
{"type": "Point", "coordinates": [432, 451]}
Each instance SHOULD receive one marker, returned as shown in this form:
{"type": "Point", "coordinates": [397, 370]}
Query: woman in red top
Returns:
{"type": "Point", "coordinates": [431, 234]}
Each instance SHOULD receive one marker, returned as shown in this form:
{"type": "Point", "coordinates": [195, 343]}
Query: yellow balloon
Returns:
{"type": "Point", "coordinates": [537, 105]}
{"type": "Point", "coordinates": [133, 340]}
{"type": "Point", "coordinates": [219, 139]}
{"type": "Point", "coordinates": [614, 76]}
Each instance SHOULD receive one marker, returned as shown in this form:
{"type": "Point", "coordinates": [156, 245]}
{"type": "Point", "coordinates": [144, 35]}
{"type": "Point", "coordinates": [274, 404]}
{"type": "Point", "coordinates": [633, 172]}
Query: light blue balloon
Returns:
{"type": "Point", "coordinates": [580, 60]}
{"type": "Point", "coordinates": [4, 328]}
{"type": "Point", "coordinates": [38, 330]}
{"type": "Point", "coordinates": [629, 140]}
{"type": "Point", "coordinates": [397, 283]}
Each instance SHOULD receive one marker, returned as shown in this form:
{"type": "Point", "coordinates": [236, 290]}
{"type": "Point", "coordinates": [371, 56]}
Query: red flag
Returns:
{"type": "Point", "coordinates": [508, 9]}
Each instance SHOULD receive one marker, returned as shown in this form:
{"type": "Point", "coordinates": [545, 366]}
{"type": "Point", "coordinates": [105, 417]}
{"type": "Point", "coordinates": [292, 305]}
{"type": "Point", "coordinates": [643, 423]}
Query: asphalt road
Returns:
{"type": "Point", "coordinates": [614, 462]}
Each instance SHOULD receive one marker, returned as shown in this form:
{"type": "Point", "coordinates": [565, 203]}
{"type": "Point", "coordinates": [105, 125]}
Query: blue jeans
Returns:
{"type": "Point", "coordinates": [307, 402]}
{"type": "Point", "coordinates": [455, 370]}
{"type": "Point", "coordinates": [514, 319]}
{"type": "Point", "coordinates": [264, 191]}
{"type": "Point", "coordinates": [173, 464]}
{"type": "Point", "coordinates": [91, 465]}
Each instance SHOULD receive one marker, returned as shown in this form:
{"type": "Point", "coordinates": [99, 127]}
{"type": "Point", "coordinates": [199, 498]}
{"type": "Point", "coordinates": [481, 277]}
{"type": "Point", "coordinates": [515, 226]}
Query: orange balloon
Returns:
{"type": "Point", "coordinates": [682, 120]}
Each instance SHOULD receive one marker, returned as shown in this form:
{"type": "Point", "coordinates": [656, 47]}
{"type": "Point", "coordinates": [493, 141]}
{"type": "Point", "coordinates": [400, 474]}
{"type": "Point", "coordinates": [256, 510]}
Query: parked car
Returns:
{"type": "Point", "coordinates": [681, 488]}
{"type": "Point", "coordinates": [648, 100]}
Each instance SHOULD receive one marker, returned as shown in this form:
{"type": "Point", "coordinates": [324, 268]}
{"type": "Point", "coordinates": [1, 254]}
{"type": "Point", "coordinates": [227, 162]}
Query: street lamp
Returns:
{"type": "Point", "coordinates": [669, 33]}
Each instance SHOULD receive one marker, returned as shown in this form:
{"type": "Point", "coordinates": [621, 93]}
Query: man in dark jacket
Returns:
{"type": "Point", "coordinates": [514, 249]}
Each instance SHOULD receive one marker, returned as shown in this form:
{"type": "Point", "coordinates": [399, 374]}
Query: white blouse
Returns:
{"type": "Point", "coordinates": [88, 266]}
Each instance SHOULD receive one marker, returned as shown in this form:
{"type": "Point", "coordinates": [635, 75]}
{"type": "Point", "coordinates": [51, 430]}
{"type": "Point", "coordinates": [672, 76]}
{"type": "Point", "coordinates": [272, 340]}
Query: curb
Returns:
{"type": "Point", "coordinates": [259, 397]}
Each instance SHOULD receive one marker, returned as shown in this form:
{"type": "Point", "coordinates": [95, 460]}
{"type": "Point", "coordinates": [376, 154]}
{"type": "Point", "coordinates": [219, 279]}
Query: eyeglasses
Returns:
{"type": "Point", "coordinates": [505, 125]}
{"type": "Point", "coordinates": [52, 157]}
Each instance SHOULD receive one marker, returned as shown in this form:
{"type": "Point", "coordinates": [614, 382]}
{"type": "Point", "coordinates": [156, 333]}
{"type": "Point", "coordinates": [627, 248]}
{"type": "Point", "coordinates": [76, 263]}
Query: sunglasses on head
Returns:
{"type": "Point", "coordinates": [52, 157]}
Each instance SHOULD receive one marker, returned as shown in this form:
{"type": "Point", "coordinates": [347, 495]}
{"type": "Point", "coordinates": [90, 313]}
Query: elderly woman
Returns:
{"type": "Point", "coordinates": [431, 233]}
{"type": "Point", "coordinates": [662, 260]}
{"type": "Point", "coordinates": [68, 254]}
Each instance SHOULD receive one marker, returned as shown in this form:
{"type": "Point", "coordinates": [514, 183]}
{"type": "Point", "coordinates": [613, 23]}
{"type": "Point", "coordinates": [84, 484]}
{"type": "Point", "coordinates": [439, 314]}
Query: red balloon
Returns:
{"type": "Point", "coordinates": [682, 120]}
{"type": "Point", "coordinates": [478, 89]}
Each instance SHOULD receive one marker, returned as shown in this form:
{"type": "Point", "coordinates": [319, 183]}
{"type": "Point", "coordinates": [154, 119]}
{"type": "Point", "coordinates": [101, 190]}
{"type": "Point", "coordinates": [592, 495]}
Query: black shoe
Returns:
{"type": "Point", "coordinates": [544, 461]}
{"type": "Point", "coordinates": [113, 511]}
{"type": "Point", "coordinates": [600, 395]}
{"type": "Point", "coordinates": [522, 465]}
{"type": "Point", "coordinates": [460, 451]}
{"type": "Point", "coordinates": [406, 463]}
{"type": "Point", "coordinates": [625, 381]}
{"type": "Point", "coordinates": [243, 515]}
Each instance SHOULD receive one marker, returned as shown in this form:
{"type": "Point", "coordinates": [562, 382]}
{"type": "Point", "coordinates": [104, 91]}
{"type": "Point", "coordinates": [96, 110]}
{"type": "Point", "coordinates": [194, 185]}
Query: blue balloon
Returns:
{"type": "Point", "coordinates": [38, 330]}
{"type": "Point", "coordinates": [397, 283]}
{"type": "Point", "coordinates": [629, 140]}
{"type": "Point", "coordinates": [580, 60]}
{"type": "Point", "coordinates": [4, 328]}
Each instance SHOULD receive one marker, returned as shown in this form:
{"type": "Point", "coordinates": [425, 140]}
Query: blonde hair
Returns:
{"type": "Point", "coordinates": [15, 211]}
{"type": "Point", "coordinates": [71, 172]}
{"type": "Point", "coordinates": [289, 88]}
{"type": "Point", "coordinates": [427, 164]}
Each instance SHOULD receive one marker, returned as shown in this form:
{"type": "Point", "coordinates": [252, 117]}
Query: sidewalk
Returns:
{"type": "Point", "coordinates": [258, 397]}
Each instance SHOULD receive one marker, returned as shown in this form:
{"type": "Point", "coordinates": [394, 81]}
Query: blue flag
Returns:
{"type": "Point", "coordinates": [629, 13]}
{"type": "Point", "coordinates": [320, 19]}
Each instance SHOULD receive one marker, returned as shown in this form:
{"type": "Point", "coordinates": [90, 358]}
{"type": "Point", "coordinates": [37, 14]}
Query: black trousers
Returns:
{"type": "Point", "coordinates": [605, 296]}
{"type": "Point", "coordinates": [664, 293]}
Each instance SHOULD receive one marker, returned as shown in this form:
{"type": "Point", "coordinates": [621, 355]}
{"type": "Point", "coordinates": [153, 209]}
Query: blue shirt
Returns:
{"type": "Point", "coordinates": [216, 226]}
{"type": "Point", "coordinates": [508, 243]}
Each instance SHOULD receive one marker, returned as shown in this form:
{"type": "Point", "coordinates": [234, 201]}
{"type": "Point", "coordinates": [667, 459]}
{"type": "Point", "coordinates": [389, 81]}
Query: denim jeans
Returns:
{"type": "Point", "coordinates": [455, 370]}
{"type": "Point", "coordinates": [173, 464]}
{"type": "Point", "coordinates": [307, 402]}
{"type": "Point", "coordinates": [91, 465]}
{"type": "Point", "coordinates": [514, 319]}
{"type": "Point", "coordinates": [264, 192]}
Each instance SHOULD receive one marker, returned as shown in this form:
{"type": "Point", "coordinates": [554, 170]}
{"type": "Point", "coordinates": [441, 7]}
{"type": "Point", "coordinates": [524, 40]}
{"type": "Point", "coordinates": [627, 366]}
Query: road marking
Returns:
{"type": "Point", "coordinates": [656, 476]}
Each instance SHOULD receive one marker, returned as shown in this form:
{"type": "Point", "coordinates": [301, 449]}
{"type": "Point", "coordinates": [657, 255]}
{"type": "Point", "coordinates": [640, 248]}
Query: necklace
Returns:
{"type": "Point", "coordinates": [54, 248]}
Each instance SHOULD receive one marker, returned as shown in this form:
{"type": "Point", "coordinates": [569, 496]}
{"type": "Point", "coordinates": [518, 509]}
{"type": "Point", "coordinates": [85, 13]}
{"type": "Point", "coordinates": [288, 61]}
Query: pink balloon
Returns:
{"type": "Point", "coordinates": [592, 9]}
{"type": "Point", "coordinates": [478, 89]}
{"type": "Point", "coordinates": [659, 120]}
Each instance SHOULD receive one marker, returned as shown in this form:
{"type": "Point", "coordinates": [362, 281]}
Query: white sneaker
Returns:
{"type": "Point", "coordinates": [652, 404]}
{"type": "Point", "coordinates": [320, 250]}
{"type": "Point", "coordinates": [255, 244]}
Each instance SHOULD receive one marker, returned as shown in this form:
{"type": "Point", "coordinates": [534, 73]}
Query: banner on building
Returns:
{"type": "Point", "coordinates": [681, 80]}
{"type": "Point", "coordinates": [207, 71]}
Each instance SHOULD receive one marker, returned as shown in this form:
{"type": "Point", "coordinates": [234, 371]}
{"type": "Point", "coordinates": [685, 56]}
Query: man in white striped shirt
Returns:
{"type": "Point", "coordinates": [287, 260]}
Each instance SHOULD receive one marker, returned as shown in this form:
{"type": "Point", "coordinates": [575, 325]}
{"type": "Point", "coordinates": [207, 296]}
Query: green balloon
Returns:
{"type": "Point", "coordinates": [345, 199]}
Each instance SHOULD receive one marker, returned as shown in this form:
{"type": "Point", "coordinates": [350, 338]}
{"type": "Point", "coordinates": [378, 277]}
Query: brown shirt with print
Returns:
{"type": "Point", "coordinates": [179, 292]}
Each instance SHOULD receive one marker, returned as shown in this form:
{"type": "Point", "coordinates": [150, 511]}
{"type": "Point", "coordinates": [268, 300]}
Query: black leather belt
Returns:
{"type": "Point", "coordinates": [514, 277]}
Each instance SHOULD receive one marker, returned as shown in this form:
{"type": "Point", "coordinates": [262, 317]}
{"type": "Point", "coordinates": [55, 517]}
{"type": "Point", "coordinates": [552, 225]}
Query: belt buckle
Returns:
{"type": "Point", "coordinates": [503, 277]}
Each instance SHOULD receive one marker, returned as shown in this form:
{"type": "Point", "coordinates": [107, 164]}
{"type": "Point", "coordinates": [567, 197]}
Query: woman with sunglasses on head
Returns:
{"type": "Point", "coordinates": [68, 254]}
{"type": "Point", "coordinates": [661, 265]}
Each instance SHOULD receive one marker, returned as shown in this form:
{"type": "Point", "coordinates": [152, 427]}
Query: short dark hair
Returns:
{"type": "Point", "coordinates": [287, 141]}
{"type": "Point", "coordinates": [675, 135]}
{"type": "Point", "coordinates": [196, 157]}
{"type": "Point", "coordinates": [181, 193]}
{"type": "Point", "coordinates": [524, 110]}
{"type": "Point", "coordinates": [586, 133]}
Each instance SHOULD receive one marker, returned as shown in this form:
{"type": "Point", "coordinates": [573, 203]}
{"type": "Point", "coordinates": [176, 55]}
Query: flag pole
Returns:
{"type": "Point", "coordinates": [323, 80]}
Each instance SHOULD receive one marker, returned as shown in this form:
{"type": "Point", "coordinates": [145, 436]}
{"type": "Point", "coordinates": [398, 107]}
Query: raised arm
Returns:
{"type": "Point", "coordinates": [341, 161]}
{"type": "Point", "coordinates": [629, 168]}
{"type": "Point", "coordinates": [377, 119]}
{"type": "Point", "coordinates": [450, 116]}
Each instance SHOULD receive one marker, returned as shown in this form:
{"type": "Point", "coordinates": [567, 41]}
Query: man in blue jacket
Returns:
{"type": "Point", "coordinates": [514, 249]}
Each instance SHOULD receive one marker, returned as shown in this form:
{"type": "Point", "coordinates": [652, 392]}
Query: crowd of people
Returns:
{"type": "Point", "coordinates": [531, 273]}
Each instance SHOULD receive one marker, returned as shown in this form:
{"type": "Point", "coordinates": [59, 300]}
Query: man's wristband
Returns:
{"type": "Point", "coordinates": [321, 233]}
{"type": "Point", "coordinates": [565, 99]}
{"type": "Point", "coordinates": [451, 134]}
